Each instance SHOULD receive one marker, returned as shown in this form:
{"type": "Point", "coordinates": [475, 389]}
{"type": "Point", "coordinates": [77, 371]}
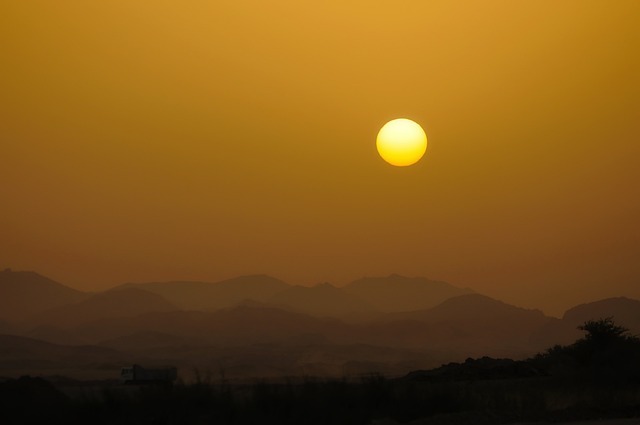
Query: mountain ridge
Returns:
{"type": "Point", "coordinates": [24, 293]}
{"type": "Point", "coordinates": [198, 295]}
{"type": "Point", "coordinates": [396, 293]}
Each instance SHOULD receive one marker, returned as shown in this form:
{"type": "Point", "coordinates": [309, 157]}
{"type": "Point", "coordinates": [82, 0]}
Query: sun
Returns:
{"type": "Point", "coordinates": [401, 142]}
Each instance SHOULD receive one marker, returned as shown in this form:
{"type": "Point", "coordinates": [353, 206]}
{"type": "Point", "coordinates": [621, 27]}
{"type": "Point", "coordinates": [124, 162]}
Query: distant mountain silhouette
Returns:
{"type": "Point", "coordinates": [262, 326]}
{"type": "Point", "coordinates": [397, 293]}
{"type": "Point", "coordinates": [307, 355]}
{"type": "Point", "coordinates": [324, 300]}
{"type": "Point", "coordinates": [245, 325]}
{"type": "Point", "coordinates": [261, 304]}
{"type": "Point", "coordinates": [6, 327]}
{"type": "Point", "coordinates": [185, 324]}
{"type": "Point", "coordinates": [625, 311]}
{"type": "Point", "coordinates": [149, 340]}
{"type": "Point", "coordinates": [122, 302]}
{"type": "Point", "coordinates": [240, 325]}
{"type": "Point", "coordinates": [214, 295]}
{"type": "Point", "coordinates": [27, 353]}
{"type": "Point", "coordinates": [480, 324]}
{"type": "Point", "coordinates": [482, 331]}
{"type": "Point", "coordinates": [475, 307]}
{"type": "Point", "coordinates": [24, 293]}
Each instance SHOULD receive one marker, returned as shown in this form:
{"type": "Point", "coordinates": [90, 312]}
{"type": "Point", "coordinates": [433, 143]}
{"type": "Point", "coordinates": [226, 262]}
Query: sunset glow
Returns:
{"type": "Point", "coordinates": [145, 141]}
{"type": "Point", "coordinates": [243, 212]}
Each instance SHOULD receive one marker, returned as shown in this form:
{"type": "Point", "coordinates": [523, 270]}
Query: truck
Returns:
{"type": "Point", "coordinates": [137, 374]}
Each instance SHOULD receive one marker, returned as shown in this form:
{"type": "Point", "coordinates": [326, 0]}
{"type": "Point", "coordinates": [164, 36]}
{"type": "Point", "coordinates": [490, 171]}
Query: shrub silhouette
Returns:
{"type": "Point", "coordinates": [606, 354]}
{"type": "Point", "coordinates": [603, 331]}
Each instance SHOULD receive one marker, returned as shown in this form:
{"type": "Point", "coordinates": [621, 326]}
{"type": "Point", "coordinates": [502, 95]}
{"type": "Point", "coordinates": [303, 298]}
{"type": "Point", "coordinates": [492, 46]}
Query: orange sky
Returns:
{"type": "Point", "coordinates": [158, 140]}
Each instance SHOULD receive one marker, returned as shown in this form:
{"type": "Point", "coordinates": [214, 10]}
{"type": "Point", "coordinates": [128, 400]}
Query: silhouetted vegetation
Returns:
{"type": "Point", "coordinates": [606, 354]}
{"type": "Point", "coordinates": [597, 376]}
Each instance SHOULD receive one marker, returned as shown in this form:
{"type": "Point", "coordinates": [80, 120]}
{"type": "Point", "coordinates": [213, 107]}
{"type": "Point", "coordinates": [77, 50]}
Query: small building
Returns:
{"type": "Point", "coordinates": [137, 374]}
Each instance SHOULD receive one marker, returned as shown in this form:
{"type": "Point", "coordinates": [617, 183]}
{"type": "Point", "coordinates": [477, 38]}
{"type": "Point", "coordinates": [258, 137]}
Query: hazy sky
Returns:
{"type": "Point", "coordinates": [201, 139]}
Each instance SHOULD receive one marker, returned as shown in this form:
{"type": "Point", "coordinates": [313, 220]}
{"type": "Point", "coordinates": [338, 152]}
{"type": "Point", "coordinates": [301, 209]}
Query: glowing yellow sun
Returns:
{"type": "Point", "coordinates": [401, 142]}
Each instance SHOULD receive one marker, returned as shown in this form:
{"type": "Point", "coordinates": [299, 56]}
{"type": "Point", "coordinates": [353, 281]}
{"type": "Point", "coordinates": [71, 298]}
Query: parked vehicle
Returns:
{"type": "Point", "coordinates": [137, 374]}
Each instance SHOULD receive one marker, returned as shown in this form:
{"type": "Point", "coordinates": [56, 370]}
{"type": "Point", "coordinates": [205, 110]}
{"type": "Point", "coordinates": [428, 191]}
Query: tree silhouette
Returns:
{"type": "Point", "coordinates": [603, 331]}
{"type": "Point", "coordinates": [607, 353]}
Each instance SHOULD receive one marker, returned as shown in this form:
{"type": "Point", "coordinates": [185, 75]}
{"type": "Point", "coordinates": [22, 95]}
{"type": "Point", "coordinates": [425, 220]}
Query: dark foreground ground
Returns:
{"type": "Point", "coordinates": [632, 421]}
{"type": "Point", "coordinates": [597, 377]}
{"type": "Point", "coordinates": [368, 400]}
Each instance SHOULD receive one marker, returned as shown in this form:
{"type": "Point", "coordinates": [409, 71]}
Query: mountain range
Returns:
{"type": "Point", "coordinates": [262, 326]}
